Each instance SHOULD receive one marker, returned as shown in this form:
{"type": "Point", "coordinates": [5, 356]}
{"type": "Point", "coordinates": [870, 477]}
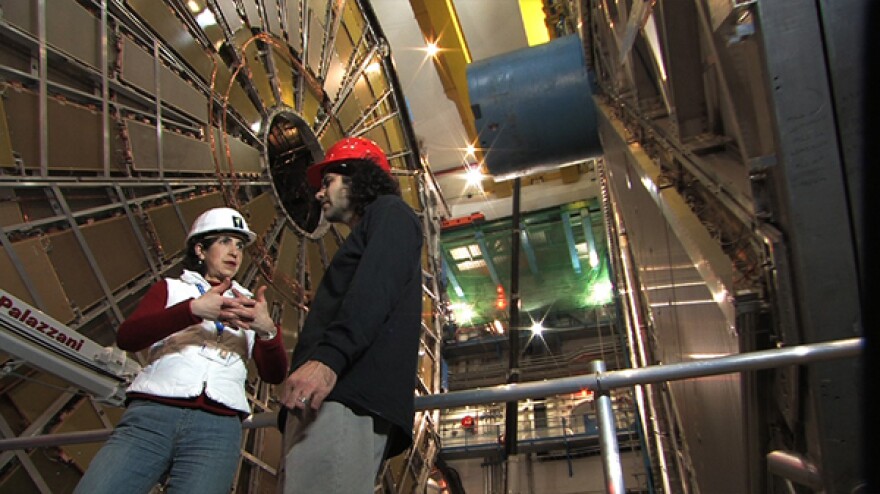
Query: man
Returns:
{"type": "Point", "coordinates": [349, 398]}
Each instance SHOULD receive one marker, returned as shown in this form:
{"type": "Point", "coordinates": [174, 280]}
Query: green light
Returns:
{"type": "Point", "coordinates": [600, 293]}
{"type": "Point", "coordinates": [464, 313]}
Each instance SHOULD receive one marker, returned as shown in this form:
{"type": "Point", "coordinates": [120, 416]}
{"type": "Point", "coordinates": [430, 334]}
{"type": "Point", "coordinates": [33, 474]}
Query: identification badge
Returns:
{"type": "Point", "coordinates": [218, 355]}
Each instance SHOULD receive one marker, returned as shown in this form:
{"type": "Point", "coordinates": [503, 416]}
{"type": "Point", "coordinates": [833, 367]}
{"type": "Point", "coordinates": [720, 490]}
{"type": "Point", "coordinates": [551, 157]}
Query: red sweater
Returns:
{"type": "Point", "coordinates": [152, 321]}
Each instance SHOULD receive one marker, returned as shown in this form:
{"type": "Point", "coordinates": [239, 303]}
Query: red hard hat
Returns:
{"type": "Point", "coordinates": [347, 149]}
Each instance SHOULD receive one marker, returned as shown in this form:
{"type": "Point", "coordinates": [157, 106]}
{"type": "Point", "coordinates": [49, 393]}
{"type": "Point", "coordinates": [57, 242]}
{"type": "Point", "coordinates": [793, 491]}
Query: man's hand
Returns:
{"type": "Point", "coordinates": [308, 386]}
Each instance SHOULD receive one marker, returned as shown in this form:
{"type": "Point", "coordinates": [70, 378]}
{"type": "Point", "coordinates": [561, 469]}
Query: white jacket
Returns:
{"type": "Point", "coordinates": [195, 359]}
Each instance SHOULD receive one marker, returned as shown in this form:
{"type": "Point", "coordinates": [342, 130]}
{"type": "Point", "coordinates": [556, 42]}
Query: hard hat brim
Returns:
{"type": "Point", "coordinates": [249, 235]}
{"type": "Point", "coordinates": [315, 173]}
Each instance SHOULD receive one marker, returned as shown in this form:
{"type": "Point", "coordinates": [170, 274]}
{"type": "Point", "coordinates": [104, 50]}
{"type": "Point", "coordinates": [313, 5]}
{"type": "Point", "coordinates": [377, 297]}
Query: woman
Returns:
{"type": "Point", "coordinates": [185, 407]}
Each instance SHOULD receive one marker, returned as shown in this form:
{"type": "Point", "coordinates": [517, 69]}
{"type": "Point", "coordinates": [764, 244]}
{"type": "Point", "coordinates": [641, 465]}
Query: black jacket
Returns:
{"type": "Point", "coordinates": [365, 319]}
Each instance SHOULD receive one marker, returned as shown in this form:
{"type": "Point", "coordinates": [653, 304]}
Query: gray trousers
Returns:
{"type": "Point", "coordinates": [331, 451]}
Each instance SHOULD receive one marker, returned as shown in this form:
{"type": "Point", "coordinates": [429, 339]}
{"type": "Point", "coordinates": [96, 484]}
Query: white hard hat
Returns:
{"type": "Point", "coordinates": [219, 220]}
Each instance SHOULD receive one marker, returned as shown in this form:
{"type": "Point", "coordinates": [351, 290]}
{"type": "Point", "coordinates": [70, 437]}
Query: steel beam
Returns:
{"type": "Point", "coordinates": [487, 257]}
{"type": "Point", "coordinates": [529, 250]}
{"type": "Point", "coordinates": [450, 275]}
{"type": "Point", "coordinates": [26, 463]}
{"type": "Point", "coordinates": [809, 201]}
{"type": "Point", "coordinates": [587, 224]}
{"type": "Point", "coordinates": [569, 240]}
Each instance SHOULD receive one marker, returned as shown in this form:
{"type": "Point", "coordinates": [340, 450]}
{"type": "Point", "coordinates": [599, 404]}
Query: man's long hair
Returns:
{"type": "Point", "coordinates": [367, 182]}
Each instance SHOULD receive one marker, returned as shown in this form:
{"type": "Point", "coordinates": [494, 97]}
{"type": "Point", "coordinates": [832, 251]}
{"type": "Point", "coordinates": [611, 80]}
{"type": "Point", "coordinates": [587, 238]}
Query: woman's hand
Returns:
{"type": "Point", "coordinates": [238, 311]}
{"type": "Point", "coordinates": [254, 315]}
{"type": "Point", "coordinates": [212, 304]}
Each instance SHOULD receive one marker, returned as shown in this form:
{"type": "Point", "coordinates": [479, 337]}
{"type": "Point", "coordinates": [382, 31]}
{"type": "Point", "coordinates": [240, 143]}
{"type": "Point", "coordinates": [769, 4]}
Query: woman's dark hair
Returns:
{"type": "Point", "coordinates": [367, 182]}
{"type": "Point", "coordinates": [191, 261]}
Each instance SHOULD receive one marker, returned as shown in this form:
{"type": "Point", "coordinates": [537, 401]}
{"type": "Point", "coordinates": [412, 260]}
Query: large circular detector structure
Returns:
{"type": "Point", "coordinates": [120, 122]}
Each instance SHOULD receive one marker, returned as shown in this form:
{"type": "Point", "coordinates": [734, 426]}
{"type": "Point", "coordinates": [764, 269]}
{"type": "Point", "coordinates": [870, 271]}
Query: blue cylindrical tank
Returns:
{"type": "Point", "coordinates": [534, 109]}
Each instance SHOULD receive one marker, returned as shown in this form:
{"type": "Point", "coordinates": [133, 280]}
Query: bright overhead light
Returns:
{"type": "Point", "coordinates": [471, 150]}
{"type": "Point", "coordinates": [432, 49]}
{"type": "Point", "coordinates": [463, 312]}
{"type": "Point", "coordinates": [459, 253]}
{"type": "Point", "coordinates": [256, 126]}
{"type": "Point", "coordinates": [193, 6]}
{"type": "Point", "coordinates": [600, 293]}
{"type": "Point", "coordinates": [471, 265]}
{"type": "Point", "coordinates": [473, 175]}
{"type": "Point", "coordinates": [537, 328]}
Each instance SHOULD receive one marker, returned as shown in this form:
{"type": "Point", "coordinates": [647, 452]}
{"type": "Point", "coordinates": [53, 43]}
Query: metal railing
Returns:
{"type": "Point", "coordinates": [603, 381]}
{"type": "Point", "coordinates": [600, 381]}
{"type": "Point", "coordinates": [557, 422]}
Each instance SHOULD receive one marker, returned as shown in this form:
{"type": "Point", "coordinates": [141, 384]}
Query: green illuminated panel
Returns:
{"type": "Point", "coordinates": [548, 282]}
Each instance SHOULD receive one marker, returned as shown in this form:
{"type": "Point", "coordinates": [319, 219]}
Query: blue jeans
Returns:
{"type": "Point", "coordinates": [198, 450]}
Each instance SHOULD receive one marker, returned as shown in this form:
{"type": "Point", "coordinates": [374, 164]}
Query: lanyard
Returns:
{"type": "Point", "coordinates": [217, 324]}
